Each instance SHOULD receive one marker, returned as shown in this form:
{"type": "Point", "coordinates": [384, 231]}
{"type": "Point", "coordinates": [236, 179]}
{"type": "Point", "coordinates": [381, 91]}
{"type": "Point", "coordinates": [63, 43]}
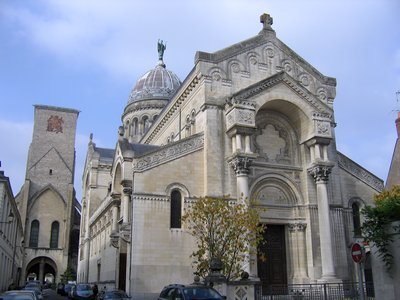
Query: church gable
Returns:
{"type": "Point", "coordinates": [260, 57]}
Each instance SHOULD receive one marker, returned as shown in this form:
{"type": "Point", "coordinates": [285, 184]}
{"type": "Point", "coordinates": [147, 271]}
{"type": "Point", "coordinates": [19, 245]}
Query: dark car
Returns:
{"type": "Point", "coordinates": [189, 292]}
{"type": "Point", "coordinates": [64, 289]}
{"type": "Point", "coordinates": [82, 291]}
{"type": "Point", "coordinates": [60, 288]}
{"type": "Point", "coordinates": [112, 295]}
{"type": "Point", "coordinates": [18, 295]}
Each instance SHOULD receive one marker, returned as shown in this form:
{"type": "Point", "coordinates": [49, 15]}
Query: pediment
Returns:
{"type": "Point", "coordinates": [260, 57]}
{"type": "Point", "coordinates": [246, 95]}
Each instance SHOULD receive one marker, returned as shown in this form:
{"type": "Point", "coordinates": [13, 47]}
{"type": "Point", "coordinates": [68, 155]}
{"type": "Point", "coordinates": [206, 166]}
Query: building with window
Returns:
{"type": "Point", "coordinates": [11, 236]}
{"type": "Point", "coordinates": [47, 202]}
{"type": "Point", "coordinates": [253, 121]}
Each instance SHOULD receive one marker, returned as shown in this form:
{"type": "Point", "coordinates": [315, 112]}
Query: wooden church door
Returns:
{"type": "Point", "coordinates": [272, 268]}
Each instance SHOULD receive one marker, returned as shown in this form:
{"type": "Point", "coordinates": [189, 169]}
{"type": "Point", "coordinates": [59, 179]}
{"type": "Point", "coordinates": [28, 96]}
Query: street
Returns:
{"type": "Point", "coordinates": [52, 295]}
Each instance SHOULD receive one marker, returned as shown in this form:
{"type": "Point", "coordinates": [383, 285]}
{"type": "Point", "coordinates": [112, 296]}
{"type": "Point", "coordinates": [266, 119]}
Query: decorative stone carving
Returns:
{"type": "Point", "coordinates": [241, 164]}
{"type": "Point", "coordinates": [323, 128]}
{"type": "Point", "coordinates": [322, 94]}
{"type": "Point", "coordinates": [304, 79]}
{"type": "Point", "coordinates": [320, 172]}
{"type": "Point", "coordinates": [301, 226]}
{"type": "Point", "coordinates": [272, 143]}
{"type": "Point", "coordinates": [54, 124]}
{"type": "Point", "coordinates": [322, 125]}
{"type": "Point", "coordinates": [241, 117]}
{"type": "Point", "coordinates": [357, 171]}
{"type": "Point", "coordinates": [169, 152]}
{"type": "Point", "coordinates": [269, 51]}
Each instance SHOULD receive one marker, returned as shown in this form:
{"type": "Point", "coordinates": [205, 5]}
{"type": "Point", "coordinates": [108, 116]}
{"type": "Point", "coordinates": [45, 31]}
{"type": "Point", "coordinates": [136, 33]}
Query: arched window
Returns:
{"type": "Point", "coordinates": [176, 209]}
{"type": "Point", "coordinates": [55, 227]}
{"type": "Point", "coordinates": [135, 126]}
{"type": "Point", "coordinates": [146, 124]}
{"type": "Point", "coordinates": [34, 236]}
{"type": "Point", "coordinates": [356, 219]}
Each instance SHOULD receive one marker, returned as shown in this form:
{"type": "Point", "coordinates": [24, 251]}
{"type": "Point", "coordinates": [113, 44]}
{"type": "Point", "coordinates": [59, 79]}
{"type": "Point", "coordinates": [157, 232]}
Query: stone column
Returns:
{"type": "Point", "coordinates": [298, 253]}
{"type": "Point", "coordinates": [127, 191]}
{"type": "Point", "coordinates": [247, 148]}
{"type": "Point", "coordinates": [238, 142]}
{"type": "Point", "coordinates": [41, 270]}
{"type": "Point", "coordinates": [320, 172]}
{"type": "Point", "coordinates": [241, 166]}
{"type": "Point", "coordinates": [301, 244]}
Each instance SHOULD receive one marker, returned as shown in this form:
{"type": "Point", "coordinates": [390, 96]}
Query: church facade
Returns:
{"type": "Point", "coordinates": [253, 121]}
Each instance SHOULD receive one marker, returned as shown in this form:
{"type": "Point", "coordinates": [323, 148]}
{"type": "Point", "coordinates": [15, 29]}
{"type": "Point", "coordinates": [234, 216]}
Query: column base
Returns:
{"type": "Point", "coordinates": [329, 279]}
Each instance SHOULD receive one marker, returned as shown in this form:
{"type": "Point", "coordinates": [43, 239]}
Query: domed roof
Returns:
{"type": "Point", "coordinates": [158, 83]}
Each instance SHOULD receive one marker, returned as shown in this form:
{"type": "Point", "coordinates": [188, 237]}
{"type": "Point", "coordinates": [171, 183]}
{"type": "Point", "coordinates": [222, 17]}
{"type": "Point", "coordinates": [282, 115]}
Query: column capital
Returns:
{"type": "Point", "coordinates": [301, 226]}
{"type": "Point", "coordinates": [127, 190]}
{"type": "Point", "coordinates": [320, 172]}
{"type": "Point", "coordinates": [126, 183]}
{"type": "Point", "coordinates": [241, 163]}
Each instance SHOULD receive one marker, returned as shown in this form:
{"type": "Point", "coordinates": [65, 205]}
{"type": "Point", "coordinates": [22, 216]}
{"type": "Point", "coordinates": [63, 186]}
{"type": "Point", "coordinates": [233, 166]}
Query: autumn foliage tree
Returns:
{"type": "Point", "coordinates": [223, 230]}
{"type": "Point", "coordinates": [377, 226]}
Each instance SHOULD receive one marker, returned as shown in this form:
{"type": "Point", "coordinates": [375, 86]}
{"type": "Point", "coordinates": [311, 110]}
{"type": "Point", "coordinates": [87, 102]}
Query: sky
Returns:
{"type": "Point", "coordinates": [87, 55]}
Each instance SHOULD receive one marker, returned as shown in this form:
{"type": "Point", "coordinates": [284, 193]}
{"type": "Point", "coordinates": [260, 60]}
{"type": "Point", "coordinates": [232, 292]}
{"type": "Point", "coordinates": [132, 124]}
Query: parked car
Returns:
{"type": "Point", "coordinates": [82, 291]}
{"type": "Point", "coordinates": [36, 290]}
{"type": "Point", "coordinates": [60, 288]}
{"type": "Point", "coordinates": [18, 295]}
{"type": "Point", "coordinates": [189, 292]}
{"type": "Point", "coordinates": [34, 283]}
{"type": "Point", "coordinates": [113, 295]}
{"type": "Point", "coordinates": [67, 289]}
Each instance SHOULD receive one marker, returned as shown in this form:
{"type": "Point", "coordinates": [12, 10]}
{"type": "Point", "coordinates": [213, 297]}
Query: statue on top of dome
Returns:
{"type": "Point", "coordinates": [161, 49]}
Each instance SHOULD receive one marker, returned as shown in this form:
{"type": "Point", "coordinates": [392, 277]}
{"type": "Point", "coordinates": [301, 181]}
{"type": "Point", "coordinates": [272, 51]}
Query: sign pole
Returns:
{"type": "Point", "coordinates": [358, 255]}
{"type": "Point", "coordinates": [360, 281]}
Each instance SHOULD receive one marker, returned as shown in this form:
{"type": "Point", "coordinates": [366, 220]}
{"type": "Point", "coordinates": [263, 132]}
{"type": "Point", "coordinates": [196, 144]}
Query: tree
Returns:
{"type": "Point", "coordinates": [378, 219]}
{"type": "Point", "coordinates": [68, 275]}
{"type": "Point", "coordinates": [223, 230]}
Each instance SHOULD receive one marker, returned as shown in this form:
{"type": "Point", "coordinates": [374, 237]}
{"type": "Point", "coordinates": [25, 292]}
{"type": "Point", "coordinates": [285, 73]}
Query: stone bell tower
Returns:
{"type": "Point", "coordinates": [47, 203]}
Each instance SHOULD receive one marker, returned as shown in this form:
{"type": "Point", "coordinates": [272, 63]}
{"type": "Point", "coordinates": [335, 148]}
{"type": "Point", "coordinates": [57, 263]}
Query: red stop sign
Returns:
{"type": "Point", "coordinates": [356, 252]}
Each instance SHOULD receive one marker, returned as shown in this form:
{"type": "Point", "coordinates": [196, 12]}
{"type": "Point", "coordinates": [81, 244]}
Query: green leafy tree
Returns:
{"type": "Point", "coordinates": [378, 219]}
{"type": "Point", "coordinates": [223, 230]}
{"type": "Point", "coordinates": [68, 275]}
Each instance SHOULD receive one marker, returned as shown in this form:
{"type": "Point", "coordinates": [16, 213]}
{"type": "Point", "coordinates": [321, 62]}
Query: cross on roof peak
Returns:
{"type": "Point", "coordinates": [267, 21]}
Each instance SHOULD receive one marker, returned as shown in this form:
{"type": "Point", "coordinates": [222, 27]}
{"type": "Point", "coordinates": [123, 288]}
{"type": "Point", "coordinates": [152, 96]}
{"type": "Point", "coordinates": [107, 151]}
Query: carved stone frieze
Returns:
{"type": "Point", "coordinates": [320, 172]}
{"type": "Point", "coordinates": [359, 172]}
{"type": "Point", "coordinates": [150, 197]}
{"type": "Point", "coordinates": [169, 152]}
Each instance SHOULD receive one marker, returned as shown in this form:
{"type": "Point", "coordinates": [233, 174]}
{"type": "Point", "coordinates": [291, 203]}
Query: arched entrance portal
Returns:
{"type": "Point", "coordinates": [42, 268]}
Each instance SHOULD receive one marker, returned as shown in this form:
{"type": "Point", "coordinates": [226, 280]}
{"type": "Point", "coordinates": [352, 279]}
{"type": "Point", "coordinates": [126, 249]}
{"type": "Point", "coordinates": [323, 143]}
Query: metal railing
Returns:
{"type": "Point", "coordinates": [324, 291]}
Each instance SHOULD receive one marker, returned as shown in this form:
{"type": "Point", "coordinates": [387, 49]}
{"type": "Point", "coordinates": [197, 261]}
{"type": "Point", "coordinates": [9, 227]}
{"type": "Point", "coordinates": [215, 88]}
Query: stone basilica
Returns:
{"type": "Point", "coordinates": [253, 119]}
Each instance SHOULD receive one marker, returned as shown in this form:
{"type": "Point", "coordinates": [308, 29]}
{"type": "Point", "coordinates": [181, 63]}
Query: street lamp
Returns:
{"type": "Point", "coordinates": [10, 218]}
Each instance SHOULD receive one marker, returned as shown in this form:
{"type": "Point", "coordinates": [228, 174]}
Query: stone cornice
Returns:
{"type": "Point", "coordinates": [169, 152]}
{"type": "Point", "coordinates": [356, 170]}
{"type": "Point", "coordinates": [103, 208]}
{"type": "Point", "coordinates": [172, 107]}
